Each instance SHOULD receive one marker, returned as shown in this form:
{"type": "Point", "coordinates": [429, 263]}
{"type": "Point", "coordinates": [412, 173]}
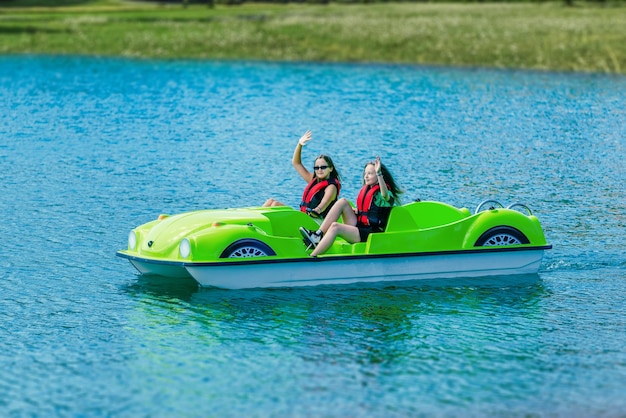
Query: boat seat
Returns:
{"type": "Point", "coordinates": [358, 248]}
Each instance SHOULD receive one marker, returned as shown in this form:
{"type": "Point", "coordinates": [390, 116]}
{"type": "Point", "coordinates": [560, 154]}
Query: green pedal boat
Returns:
{"type": "Point", "coordinates": [262, 247]}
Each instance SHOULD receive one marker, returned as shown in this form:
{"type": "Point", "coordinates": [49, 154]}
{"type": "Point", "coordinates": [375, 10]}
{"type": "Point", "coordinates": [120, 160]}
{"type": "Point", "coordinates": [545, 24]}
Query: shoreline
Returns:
{"type": "Point", "coordinates": [515, 36]}
{"type": "Point", "coordinates": [450, 67]}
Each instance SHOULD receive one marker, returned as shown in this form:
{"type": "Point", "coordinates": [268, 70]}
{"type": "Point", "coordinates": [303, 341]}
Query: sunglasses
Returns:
{"type": "Point", "coordinates": [320, 167]}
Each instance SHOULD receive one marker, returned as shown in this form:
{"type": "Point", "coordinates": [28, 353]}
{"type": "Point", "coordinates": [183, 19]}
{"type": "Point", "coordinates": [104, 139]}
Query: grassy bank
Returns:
{"type": "Point", "coordinates": [546, 36]}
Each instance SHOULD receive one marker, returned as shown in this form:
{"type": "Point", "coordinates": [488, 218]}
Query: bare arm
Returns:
{"type": "Point", "coordinates": [296, 160]}
{"type": "Point", "coordinates": [384, 192]}
{"type": "Point", "coordinates": [330, 194]}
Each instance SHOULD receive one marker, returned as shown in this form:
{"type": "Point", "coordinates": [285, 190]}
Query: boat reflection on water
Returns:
{"type": "Point", "coordinates": [342, 324]}
{"type": "Point", "coordinates": [188, 290]}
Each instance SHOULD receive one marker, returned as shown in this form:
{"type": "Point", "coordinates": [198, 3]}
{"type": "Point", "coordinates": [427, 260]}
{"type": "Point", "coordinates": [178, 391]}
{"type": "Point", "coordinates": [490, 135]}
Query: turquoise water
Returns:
{"type": "Point", "coordinates": [90, 148]}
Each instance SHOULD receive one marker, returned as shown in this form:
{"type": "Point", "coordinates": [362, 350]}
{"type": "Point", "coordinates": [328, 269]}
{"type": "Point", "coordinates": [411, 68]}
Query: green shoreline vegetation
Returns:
{"type": "Point", "coordinates": [585, 37]}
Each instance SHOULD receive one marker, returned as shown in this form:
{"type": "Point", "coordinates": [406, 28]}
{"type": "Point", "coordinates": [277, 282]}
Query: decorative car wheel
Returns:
{"type": "Point", "coordinates": [247, 248]}
{"type": "Point", "coordinates": [501, 235]}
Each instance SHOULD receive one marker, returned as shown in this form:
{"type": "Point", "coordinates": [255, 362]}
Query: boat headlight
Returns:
{"type": "Point", "coordinates": [132, 240]}
{"type": "Point", "coordinates": [184, 248]}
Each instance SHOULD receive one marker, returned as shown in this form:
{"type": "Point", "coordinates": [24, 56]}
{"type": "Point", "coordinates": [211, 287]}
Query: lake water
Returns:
{"type": "Point", "coordinates": [90, 148]}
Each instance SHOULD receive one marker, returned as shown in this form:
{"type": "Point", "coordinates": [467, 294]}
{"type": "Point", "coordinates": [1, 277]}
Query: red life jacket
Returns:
{"type": "Point", "coordinates": [368, 214]}
{"type": "Point", "coordinates": [314, 193]}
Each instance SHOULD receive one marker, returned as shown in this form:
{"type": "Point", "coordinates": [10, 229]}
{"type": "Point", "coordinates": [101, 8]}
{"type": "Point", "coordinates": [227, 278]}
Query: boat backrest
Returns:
{"type": "Point", "coordinates": [400, 219]}
{"type": "Point", "coordinates": [421, 215]}
{"type": "Point", "coordinates": [285, 221]}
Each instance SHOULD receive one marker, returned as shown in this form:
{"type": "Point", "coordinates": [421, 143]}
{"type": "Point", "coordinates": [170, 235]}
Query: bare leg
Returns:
{"type": "Point", "coordinates": [348, 232]}
{"type": "Point", "coordinates": [272, 202]}
{"type": "Point", "coordinates": [341, 209]}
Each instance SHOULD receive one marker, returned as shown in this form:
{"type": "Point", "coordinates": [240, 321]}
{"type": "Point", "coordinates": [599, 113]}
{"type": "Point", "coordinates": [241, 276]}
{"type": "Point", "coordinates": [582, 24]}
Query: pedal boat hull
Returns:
{"type": "Point", "coordinates": [368, 269]}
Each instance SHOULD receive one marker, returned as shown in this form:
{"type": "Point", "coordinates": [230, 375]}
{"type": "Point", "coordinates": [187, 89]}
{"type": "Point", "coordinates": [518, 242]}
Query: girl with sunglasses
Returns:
{"type": "Point", "coordinates": [378, 194]}
{"type": "Point", "coordinates": [323, 185]}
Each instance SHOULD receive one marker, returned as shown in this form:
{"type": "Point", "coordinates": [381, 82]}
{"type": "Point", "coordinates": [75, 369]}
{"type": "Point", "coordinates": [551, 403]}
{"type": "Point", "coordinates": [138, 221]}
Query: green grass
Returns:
{"type": "Point", "coordinates": [545, 36]}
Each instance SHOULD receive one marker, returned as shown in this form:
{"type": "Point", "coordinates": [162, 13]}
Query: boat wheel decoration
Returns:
{"type": "Point", "coordinates": [502, 239]}
{"type": "Point", "coordinates": [246, 248]}
{"type": "Point", "coordinates": [245, 252]}
{"type": "Point", "coordinates": [501, 235]}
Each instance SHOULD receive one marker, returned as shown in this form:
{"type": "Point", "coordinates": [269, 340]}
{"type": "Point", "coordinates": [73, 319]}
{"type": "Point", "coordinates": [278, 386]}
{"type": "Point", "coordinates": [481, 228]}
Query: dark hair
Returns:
{"type": "Point", "coordinates": [334, 174]}
{"type": "Point", "coordinates": [389, 180]}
